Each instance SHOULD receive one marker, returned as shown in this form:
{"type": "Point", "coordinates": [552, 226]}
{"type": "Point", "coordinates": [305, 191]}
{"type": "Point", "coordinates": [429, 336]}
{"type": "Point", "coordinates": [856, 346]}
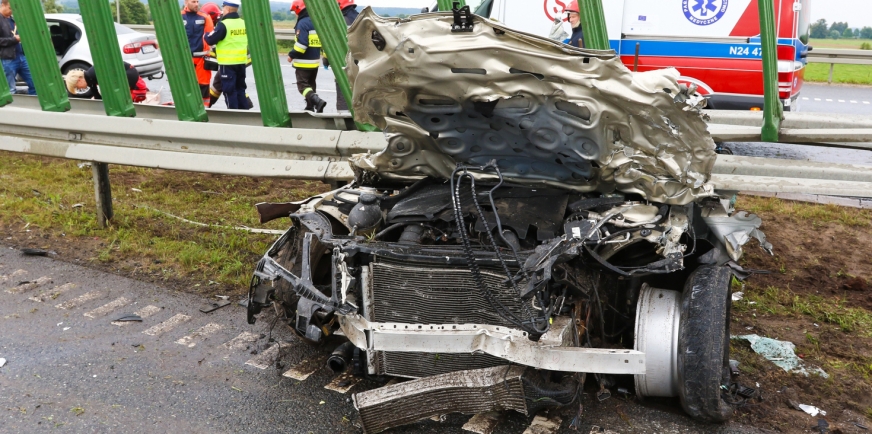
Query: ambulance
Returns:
{"type": "Point", "coordinates": [714, 44]}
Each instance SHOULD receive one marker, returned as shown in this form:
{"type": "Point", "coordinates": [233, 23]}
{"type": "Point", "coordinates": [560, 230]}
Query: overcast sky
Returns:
{"type": "Point", "coordinates": [858, 13]}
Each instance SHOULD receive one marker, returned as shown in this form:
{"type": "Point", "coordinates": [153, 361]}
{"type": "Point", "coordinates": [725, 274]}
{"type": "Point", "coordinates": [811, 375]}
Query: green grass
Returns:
{"type": "Point", "coordinates": [784, 302]}
{"type": "Point", "coordinates": [40, 194]}
{"type": "Point", "coordinates": [844, 74]}
{"type": "Point", "coordinates": [848, 44]}
{"type": "Point", "coordinates": [808, 213]}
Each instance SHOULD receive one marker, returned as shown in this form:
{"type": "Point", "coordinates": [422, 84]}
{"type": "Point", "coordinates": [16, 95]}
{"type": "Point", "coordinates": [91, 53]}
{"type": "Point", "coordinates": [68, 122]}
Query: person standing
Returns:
{"type": "Point", "coordinates": [11, 52]}
{"type": "Point", "coordinates": [231, 49]}
{"type": "Point", "coordinates": [306, 57]}
{"type": "Point", "coordinates": [349, 11]}
{"type": "Point", "coordinates": [573, 11]}
{"type": "Point", "coordinates": [197, 25]}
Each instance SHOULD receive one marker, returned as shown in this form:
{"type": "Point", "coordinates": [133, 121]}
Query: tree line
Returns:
{"type": "Point", "coordinates": [838, 30]}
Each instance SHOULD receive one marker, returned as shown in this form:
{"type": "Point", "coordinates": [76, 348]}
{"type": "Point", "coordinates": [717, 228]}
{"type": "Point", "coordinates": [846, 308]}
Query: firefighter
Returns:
{"type": "Point", "coordinates": [573, 13]}
{"type": "Point", "coordinates": [306, 57]}
{"type": "Point", "coordinates": [349, 11]}
{"type": "Point", "coordinates": [213, 11]}
{"type": "Point", "coordinates": [231, 48]}
{"type": "Point", "coordinates": [197, 25]}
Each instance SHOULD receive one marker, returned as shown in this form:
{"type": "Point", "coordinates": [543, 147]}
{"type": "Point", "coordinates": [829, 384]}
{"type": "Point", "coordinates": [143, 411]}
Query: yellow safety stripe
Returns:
{"type": "Point", "coordinates": [306, 63]}
{"type": "Point", "coordinates": [300, 48]}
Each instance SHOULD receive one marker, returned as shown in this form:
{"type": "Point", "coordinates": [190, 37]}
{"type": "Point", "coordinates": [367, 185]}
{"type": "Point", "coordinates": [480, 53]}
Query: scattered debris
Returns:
{"type": "Point", "coordinates": [738, 295]}
{"type": "Point", "coordinates": [78, 205]}
{"type": "Point", "coordinates": [734, 367]}
{"type": "Point", "coordinates": [136, 190]}
{"type": "Point", "coordinates": [67, 328]}
{"type": "Point", "coordinates": [781, 353]}
{"type": "Point", "coordinates": [211, 307]}
{"type": "Point", "coordinates": [84, 165]}
{"type": "Point", "coordinates": [130, 317]}
{"type": "Point", "coordinates": [2, 362]}
{"type": "Point", "coordinates": [812, 410]}
{"type": "Point", "coordinates": [822, 426]}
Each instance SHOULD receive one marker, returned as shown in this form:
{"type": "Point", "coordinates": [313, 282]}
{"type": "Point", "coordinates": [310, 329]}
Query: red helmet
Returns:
{"type": "Point", "coordinates": [573, 7]}
{"type": "Point", "coordinates": [346, 3]}
{"type": "Point", "coordinates": [298, 6]}
{"type": "Point", "coordinates": [213, 10]}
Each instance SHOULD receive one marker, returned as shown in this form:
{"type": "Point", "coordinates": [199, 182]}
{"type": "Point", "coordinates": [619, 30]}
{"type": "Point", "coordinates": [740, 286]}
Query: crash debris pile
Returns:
{"type": "Point", "coordinates": [540, 222]}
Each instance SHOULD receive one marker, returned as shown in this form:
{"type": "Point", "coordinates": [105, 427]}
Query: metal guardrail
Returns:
{"type": "Point", "coordinates": [245, 148]}
{"type": "Point", "coordinates": [840, 56]}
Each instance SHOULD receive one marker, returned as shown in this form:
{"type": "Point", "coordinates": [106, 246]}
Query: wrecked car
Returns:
{"type": "Point", "coordinates": [539, 223]}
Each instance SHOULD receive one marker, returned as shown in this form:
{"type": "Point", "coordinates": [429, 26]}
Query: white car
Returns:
{"type": "Point", "coordinates": [71, 46]}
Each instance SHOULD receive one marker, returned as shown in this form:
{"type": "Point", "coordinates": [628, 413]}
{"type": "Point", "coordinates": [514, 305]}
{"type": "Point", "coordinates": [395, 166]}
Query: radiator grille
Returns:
{"type": "Point", "coordinates": [424, 294]}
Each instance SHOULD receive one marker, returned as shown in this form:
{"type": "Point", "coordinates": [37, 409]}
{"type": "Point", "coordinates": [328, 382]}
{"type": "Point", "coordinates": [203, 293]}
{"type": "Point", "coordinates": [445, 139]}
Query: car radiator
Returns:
{"type": "Point", "coordinates": [414, 293]}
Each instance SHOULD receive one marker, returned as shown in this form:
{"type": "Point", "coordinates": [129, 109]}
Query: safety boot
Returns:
{"type": "Point", "coordinates": [315, 102]}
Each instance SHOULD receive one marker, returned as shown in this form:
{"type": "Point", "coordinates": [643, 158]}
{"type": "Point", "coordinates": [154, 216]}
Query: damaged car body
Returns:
{"type": "Point", "coordinates": [540, 221]}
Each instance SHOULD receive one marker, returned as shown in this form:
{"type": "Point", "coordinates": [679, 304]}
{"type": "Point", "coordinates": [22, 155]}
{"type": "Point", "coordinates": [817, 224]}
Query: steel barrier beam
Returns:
{"type": "Point", "coordinates": [794, 120]}
{"type": "Point", "coordinates": [108, 65]}
{"type": "Point", "coordinates": [177, 58]}
{"type": "Point", "coordinates": [41, 57]}
{"type": "Point", "coordinates": [770, 184]}
{"type": "Point", "coordinates": [265, 62]}
{"type": "Point", "coordinates": [794, 169]}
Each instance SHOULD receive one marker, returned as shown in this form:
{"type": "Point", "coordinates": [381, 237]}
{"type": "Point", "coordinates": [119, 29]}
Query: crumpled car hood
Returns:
{"type": "Point", "coordinates": [547, 113]}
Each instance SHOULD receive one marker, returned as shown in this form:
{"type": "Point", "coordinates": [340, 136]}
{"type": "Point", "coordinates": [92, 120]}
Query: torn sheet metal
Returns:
{"type": "Point", "coordinates": [548, 113]}
{"type": "Point", "coordinates": [736, 230]}
{"type": "Point", "coordinates": [782, 354]}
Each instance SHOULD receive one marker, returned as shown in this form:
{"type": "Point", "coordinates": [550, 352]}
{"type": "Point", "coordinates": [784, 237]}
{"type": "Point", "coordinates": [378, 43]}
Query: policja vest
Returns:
{"type": "Point", "coordinates": [233, 49]}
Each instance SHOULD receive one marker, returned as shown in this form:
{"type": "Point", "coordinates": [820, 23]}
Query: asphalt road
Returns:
{"type": "Point", "coordinates": [180, 370]}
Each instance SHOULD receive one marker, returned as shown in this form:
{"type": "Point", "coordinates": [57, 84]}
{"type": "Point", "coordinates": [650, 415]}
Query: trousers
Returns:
{"type": "Point", "coordinates": [233, 85]}
{"type": "Point", "coordinates": [18, 66]}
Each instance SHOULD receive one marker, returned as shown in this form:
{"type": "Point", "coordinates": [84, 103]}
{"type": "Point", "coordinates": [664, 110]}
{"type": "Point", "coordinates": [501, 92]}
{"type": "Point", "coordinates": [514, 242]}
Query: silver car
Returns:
{"type": "Point", "coordinates": [70, 42]}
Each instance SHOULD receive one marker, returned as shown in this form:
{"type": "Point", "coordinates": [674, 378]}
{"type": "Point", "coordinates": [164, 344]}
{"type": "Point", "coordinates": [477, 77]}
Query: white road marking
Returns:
{"type": "Point", "coordinates": [29, 286]}
{"type": "Point", "coordinates": [241, 342]}
{"type": "Point", "coordinates": [267, 357]}
{"type": "Point", "coordinates": [841, 100]}
{"type": "Point", "coordinates": [343, 383]}
{"type": "Point", "coordinates": [829, 100]}
{"type": "Point", "coordinates": [304, 369]}
{"type": "Point", "coordinates": [80, 300]}
{"type": "Point", "coordinates": [483, 423]}
{"type": "Point", "coordinates": [108, 307]}
{"type": "Point", "coordinates": [198, 335]}
{"type": "Point", "coordinates": [544, 425]}
{"type": "Point", "coordinates": [865, 102]}
{"type": "Point", "coordinates": [52, 294]}
{"type": "Point", "coordinates": [142, 313]}
{"type": "Point", "coordinates": [817, 99]}
{"type": "Point", "coordinates": [167, 325]}
{"type": "Point", "coordinates": [804, 99]}
{"type": "Point", "coordinates": [853, 102]}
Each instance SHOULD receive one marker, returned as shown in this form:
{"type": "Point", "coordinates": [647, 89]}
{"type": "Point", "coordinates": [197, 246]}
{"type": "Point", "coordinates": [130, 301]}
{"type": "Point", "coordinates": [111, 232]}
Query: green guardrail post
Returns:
{"type": "Point", "coordinates": [41, 57]}
{"type": "Point", "coordinates": [265, 61]}
{"type": "Point", "coordinates": [5, 95]}
{"type": "Point", "coordinates": [772, 109]}
{"type": "Point", "coordinates": [107, 58]}
{"type": "Point", "coordinates": [177, 59]}
{"type": "Point", "coordinates": [448, 5]}
{"type": "Point", "coordinates": [593, 21]}
{"type": "Point", "coordinates": [333, 32]}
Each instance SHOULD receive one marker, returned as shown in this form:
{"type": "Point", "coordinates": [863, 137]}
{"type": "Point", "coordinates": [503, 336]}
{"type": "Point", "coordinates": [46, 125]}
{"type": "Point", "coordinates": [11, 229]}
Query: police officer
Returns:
{"type": "Point", "coordinates": [349, 11]}
{"type": "Point", "coordinates": [577, 38]}
{"type": "Point", "coordinates": [306, 57]}
{"type": "Point", "coordinates": [197, 25]}
{"type": "Point", "coordinates": [231, 48]}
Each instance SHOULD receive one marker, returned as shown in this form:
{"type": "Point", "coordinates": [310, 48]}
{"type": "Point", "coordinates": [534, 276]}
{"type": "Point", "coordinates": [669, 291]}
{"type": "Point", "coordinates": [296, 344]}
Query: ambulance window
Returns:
{"type": "Point", "coordinates": [804, 23]}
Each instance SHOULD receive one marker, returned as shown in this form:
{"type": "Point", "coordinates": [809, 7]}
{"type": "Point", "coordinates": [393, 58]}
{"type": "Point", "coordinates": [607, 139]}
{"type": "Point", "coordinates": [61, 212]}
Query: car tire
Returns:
{"type": "Point", "coordinates": [704, 344]}
{"type": "Point", "coordinates": [81, 66]}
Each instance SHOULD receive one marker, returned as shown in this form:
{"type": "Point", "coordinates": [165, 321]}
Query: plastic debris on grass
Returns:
{"type": "Point", "coordinates": [812, 410]}
{"type": "Point", "coordinates": [782, 354]}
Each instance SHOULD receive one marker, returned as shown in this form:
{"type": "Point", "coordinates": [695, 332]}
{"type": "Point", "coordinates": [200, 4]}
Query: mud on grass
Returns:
{"type": "Point", "coordinates": [818, 296]}
{"type": "Point", "coordinates": [49, 203]}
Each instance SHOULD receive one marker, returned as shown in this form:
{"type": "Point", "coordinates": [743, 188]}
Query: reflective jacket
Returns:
{"type": "Point", "coordinates": [230, 40]}
{"type": "Point", "coordinates": [197, 26]}
{"type": "Point", "coordinates": [307, 45]}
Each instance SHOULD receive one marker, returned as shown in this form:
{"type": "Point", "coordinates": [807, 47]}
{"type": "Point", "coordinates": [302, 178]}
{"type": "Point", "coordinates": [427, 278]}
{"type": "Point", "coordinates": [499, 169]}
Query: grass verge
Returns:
{"type": "Point", "coordinates": [49, 203]}
{"type": "Point", "coordinates": [844, 74]}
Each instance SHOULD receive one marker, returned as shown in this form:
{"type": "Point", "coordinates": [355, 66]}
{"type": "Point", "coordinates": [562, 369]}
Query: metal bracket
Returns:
{"type": "Point", "coordinates": [462, 19]}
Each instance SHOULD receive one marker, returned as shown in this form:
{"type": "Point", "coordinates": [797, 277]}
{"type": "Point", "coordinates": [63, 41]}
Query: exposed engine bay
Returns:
{"type": "Point", "coordinates": [508, 255]}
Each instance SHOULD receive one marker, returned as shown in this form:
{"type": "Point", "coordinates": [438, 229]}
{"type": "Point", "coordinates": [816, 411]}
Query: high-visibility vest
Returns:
{"type": "Point", "coordinates": [233, 49]}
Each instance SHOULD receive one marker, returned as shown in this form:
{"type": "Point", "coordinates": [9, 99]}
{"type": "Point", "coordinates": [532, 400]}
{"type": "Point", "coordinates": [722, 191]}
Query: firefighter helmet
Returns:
{"type": "Point", "coordinates": [298, 6]}
{"type": "Point", "coordinates": [573, 7]}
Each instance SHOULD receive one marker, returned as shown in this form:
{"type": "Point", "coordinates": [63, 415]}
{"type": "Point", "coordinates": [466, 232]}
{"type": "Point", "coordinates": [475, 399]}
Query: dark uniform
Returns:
{"type": "Point", "coordinates": [350, 13]}
{"type": "Point", "coordinates": [138, 88]}
{"type": "Point", "coordinates": [577, 38]}
{"type": "Point", "coordinates": [306, 58]}
{"type": "Point", "coordinates": [231, 47]}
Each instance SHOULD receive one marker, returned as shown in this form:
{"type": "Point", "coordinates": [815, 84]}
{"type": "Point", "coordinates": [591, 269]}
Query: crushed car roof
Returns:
{"type": "Point", "coordinates": [547, 113]}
